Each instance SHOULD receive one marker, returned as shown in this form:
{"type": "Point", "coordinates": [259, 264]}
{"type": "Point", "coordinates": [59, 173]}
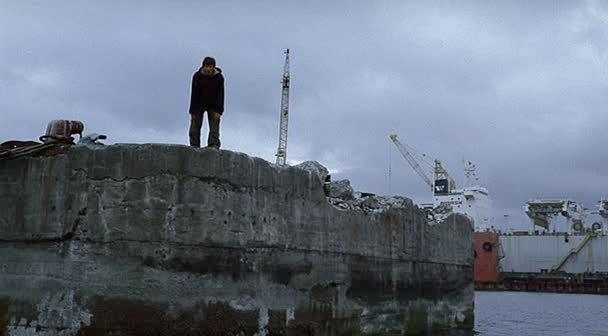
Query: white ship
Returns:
{"type": "Point", "coordinates": [542, 259]}
{"type": "Point", "coordinates": [473, 200]}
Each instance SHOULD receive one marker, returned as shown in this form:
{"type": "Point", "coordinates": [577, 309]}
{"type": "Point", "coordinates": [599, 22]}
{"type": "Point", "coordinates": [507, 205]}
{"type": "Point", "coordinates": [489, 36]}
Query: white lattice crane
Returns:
{"type": "Point", "coordinates": [282, 150]}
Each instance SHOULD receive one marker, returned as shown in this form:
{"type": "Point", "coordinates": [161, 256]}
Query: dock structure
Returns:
{"type": "Point", "coordinates": [170, 240]}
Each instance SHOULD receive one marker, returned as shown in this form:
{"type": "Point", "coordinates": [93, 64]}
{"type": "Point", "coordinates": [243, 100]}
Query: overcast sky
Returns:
{"type": "Point", "coordinates": [519, 88]}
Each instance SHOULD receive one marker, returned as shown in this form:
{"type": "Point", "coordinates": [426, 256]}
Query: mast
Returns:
{"type": "Point", "coordinates": [282, 150]}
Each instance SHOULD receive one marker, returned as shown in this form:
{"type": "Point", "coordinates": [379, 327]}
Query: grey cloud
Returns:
{"type": "Point", "coordinates": [517, 87]}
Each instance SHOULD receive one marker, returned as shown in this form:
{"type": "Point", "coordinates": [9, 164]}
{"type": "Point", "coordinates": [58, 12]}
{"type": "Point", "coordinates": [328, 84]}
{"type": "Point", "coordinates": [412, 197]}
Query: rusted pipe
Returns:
{"type": "Point", "coordinates": [62, 131]}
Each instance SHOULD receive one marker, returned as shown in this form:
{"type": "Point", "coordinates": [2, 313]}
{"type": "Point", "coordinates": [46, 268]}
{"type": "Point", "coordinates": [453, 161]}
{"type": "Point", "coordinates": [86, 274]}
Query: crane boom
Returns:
{"type": "Point", "coordinates": [410, 159]}
{"type": "Point", "coordinates": [282, 150]}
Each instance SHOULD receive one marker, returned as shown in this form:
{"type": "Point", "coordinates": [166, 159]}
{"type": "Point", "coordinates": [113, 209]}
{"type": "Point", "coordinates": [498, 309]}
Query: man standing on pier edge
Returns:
{"type": "Point", "coordinates": [207, 95]}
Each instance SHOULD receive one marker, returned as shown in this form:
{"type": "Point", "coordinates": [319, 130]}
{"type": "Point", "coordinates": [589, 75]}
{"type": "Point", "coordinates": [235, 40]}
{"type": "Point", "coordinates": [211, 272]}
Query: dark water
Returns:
{"type": "Point", "coordinates": [540, 314]}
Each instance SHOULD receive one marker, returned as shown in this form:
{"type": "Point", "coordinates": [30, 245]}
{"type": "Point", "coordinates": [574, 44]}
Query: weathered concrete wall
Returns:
{"type": "Point", "coordinates": [170, 240]}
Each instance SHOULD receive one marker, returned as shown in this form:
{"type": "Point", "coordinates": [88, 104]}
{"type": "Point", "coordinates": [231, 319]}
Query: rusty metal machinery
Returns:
{"type": "Point", "coordinates": [14, 144]}
{"type": "Point", "coordinates": [62, 131]}
{"type": "Point", "coordinates": [58, 132]}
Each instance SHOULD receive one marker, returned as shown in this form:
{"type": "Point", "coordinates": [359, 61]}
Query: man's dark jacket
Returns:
{"type": "Point", "coordinates": [207, 92]}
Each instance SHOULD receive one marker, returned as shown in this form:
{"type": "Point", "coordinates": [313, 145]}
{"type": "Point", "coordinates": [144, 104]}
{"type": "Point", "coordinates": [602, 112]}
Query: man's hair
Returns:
{"type": "Point", "coordinates": [209, 61]}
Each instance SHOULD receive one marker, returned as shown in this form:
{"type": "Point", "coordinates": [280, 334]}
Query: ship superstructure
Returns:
{"type": "Point", "coordinates": [472, 200]}
{"type": "Point", "coordinates": [542, 212]}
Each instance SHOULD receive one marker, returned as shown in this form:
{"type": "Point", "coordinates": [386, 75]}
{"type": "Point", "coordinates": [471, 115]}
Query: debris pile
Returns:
{"type": "Point", "coordinates": [369, 202]}
{"type": "Point", "coordinates": [341, 195]}
{"type": "Point", "coordinates": [92, 139]}
{"type": "Point", "coordinates": [439, 213]}
{"type": "Point", "coordinates": [341, 189]}
{"type": "Point", "coordinates": [314, 168]}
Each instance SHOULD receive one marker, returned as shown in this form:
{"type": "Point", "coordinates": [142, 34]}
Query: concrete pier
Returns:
{"type": "Point", "coordinates": [171, 240]}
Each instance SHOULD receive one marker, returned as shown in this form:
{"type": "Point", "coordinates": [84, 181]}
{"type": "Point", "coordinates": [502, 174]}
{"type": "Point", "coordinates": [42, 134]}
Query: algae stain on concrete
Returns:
{"type": "Point", "coordinates": [416, 321]}
{"type": "Point", "coordinates": [469, 320]}
{"type": "Point", "coordinates": [58, 314]}
{"type": "Point", "coordinates": [153, 319]}
{"type": "Point", "coordinates": [3, 316]}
